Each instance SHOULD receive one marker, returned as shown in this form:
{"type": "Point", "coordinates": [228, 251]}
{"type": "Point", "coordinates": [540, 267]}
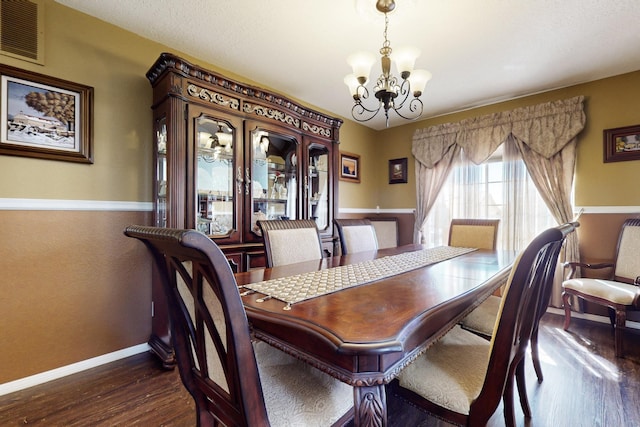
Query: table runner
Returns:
{"type": "Point", "coordinates": [301, 287]}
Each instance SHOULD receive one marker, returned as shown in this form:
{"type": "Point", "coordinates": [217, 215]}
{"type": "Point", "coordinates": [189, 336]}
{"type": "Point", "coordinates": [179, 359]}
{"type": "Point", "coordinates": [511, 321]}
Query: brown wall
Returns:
{"type": "Point", "coordinates": [73, 287]}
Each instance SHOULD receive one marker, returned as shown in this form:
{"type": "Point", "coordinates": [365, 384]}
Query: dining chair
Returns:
{"type": "Point", "coordinates": [481, 234]}
{"type": "Point", "coordinates": [288, 241]}
{"type": "Point", "coordinates": [387, 233]}
{"type": "Point", "coordinates": [356, 235]}
{"type": "Point", "coordinates": [474, 233]}
{"type": "Point", "coordinates": [482, 320]}
{"type": "Point", "coordinates": [234, 381]}
{"type": "Point", "coordinates": [462, 377]}
{"type": "Point", "coordinates": [619, 291]}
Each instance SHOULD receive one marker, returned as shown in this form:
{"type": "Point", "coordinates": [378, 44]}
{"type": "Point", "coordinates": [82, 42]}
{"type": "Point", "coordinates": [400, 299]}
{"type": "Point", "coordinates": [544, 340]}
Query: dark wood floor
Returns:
{"type": "Point", "coordinates": [584, 385]}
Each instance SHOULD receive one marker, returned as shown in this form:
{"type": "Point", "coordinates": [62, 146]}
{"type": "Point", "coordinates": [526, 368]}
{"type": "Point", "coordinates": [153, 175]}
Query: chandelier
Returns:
{"type": "Point", "coordinates": [391, 93]}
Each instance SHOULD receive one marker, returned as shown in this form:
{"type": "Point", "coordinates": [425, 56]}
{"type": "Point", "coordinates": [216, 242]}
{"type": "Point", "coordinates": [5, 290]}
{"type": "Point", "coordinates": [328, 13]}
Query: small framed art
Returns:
{"type": "Point", "coordinates": [349, 167]}
{"type": "Point", "coordinates": [45, 117]}
{"type": "Point", "coordinates": [398, 171]}
{"type": "Point", "coordinates": [622, 144]}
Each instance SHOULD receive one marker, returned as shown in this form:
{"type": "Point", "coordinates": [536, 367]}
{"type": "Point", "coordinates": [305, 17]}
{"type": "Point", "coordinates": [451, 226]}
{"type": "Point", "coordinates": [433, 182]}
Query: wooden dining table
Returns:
{"type": "Point", "coordinates": [365, 335]}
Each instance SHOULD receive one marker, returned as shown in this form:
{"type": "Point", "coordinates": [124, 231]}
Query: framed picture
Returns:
{"type": "Point", "coordinates": [622, 144]}
{"type": "Point", "coordinates": [349, 167]}
{"type": "Point", "coordinates": [45, 117]}
{"type": "Point", "coordinates": [398, 171]}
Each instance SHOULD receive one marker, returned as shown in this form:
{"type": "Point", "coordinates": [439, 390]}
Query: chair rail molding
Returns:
{"type": "Point", "coordinates": [72, 205]}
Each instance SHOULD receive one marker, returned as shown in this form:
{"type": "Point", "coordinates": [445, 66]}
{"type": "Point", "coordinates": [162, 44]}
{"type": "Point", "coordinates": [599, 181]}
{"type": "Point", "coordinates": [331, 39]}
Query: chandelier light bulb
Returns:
{"type": "Point", "coordinates": [405, 59]}
{"type": "Point", "coordinates": [361, 63]}
{"type": "Point", "coordinates": [352, 82]}
{"type": "Point", "coordinates": [418, 80]}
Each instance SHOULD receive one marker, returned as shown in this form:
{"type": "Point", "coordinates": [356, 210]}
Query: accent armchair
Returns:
{"type": "Point", "coordinates": [619, 292]}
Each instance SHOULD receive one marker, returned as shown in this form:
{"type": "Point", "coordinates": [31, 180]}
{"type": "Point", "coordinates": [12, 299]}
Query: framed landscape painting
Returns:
{"type": "Point", "coordinates": [622, 144]}
{"type": "Point", "coordinates": [45, 117]}
{"type": "Point", "coordinates": [349, 167]}
{"type": "Point", "coordinates": [398, 171]}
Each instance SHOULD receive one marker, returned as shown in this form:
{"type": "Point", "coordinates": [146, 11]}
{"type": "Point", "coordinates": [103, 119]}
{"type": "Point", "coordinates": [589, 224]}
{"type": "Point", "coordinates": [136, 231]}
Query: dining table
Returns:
{"type": "Point", "coordinates": [363, 317]}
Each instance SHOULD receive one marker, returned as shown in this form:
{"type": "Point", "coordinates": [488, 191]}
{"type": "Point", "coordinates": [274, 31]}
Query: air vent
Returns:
{"type": "Point", "coordinates": [22, 29]}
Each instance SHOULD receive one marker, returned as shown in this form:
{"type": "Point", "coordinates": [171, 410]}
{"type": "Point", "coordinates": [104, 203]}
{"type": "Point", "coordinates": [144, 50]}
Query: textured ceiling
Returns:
{"type": "Point", "coordinates": [479, 51]}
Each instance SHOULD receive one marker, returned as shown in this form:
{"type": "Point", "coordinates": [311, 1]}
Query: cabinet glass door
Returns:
{"type": "Point", "coordinates": [274, 177]}
{"type": "Point", "coordinates": [215, 177]}
{"type": "Point", "coordinates": [161, 173]}
{"type": "Point", "coordinates": [318, 186]}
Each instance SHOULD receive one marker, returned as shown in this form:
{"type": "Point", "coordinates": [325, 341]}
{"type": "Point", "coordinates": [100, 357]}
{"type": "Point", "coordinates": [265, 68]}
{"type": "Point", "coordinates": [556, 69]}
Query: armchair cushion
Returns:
{"type": "Point", "coordinates": [616, 292]}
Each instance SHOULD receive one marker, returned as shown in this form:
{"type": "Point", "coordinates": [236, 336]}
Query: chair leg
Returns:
{"type": "Point", "coordinates": [567, 310]}
{"type": "Point", "coordinates": [612, 316]}
{"type": "Point", "coordinates": [534, 354]}
{"type": "Point", "coordinates": [507, 399]}
{"type": "Point", "coordinates": [621, 319]}
{"type": "Point", "coordinates": [522, 389]}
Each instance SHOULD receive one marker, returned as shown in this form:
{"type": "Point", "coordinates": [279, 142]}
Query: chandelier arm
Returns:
{"type": "Point", "coordinates": [403, 92]}
{"type": "Point", "coordinates": [414, 105]}
{"type": "Point", "coordinates": [358, 112]}
{"type": "Point", "coordinates": [361, 93]}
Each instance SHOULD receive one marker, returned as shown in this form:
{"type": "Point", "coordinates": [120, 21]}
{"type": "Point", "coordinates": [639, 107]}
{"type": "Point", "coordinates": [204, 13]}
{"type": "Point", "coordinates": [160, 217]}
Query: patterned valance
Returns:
{"type": "Point", "coordinates": [545, 128]}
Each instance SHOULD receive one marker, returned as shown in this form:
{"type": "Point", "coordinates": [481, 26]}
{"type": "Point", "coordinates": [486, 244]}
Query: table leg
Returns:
{"type": "Point", "coordinates": [370, 406]}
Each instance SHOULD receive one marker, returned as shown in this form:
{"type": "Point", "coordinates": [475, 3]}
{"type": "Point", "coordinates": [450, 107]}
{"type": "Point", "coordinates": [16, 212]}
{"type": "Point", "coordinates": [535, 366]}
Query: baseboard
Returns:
{"type": "Point", "coordinates": [592, 317]}
{"type": "Point", "coordinates": [74, 368]}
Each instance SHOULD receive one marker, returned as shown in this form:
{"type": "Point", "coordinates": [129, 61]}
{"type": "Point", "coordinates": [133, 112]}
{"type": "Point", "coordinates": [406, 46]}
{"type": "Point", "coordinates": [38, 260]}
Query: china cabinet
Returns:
{"type": "Point", "coordinates": [228, 154]}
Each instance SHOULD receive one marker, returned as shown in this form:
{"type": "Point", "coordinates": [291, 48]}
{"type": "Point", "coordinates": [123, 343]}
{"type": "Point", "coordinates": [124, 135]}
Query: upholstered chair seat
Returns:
{"type": "Point", "coordinates": [482, 319]}
{"type": "Point", "coordinates": [451, 385]}
{"type": "Point", "coordinates": [296, 394]}
{"type": "Point", "coordinates": [615, 292]}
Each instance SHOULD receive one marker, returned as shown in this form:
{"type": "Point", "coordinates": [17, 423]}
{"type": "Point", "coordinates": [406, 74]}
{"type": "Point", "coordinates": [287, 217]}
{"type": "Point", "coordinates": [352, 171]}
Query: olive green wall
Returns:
{"type": "Point", "coordinates": [70, 280]}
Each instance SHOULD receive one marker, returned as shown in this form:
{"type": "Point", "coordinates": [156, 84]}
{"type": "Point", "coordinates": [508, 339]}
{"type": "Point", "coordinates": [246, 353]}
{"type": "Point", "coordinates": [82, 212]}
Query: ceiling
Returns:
{"type": "Point", "coordinates": [479, 52]}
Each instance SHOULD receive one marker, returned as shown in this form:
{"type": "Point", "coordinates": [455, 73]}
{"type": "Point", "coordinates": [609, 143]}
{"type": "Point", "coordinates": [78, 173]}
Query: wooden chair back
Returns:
{"type": "Point", "coordinates": [525, 293]}
{"type": "Point", "coordinates": [474, 233]}
{"type": "Point", "coordinates": [210, 331]}
{"type": "Point", "coordinates": [356, 235]}
{"type": "Point", "coordinates": [290, 241]}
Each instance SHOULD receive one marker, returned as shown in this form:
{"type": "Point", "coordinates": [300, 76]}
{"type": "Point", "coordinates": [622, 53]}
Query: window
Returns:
{"type": "Point", "coordinates": [499, 188]}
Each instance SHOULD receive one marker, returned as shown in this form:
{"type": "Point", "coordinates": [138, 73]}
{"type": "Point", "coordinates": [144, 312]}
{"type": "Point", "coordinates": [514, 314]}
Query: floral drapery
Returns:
{"type": "Point", "coordinates": [546, 138]}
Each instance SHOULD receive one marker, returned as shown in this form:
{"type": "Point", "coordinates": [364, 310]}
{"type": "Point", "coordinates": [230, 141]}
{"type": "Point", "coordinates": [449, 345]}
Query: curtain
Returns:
{"type": "Point", "coordinates": [544, 134]}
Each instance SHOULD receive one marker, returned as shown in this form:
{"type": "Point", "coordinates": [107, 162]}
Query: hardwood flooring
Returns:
{"type": "Point", "coordinates": [584, 385]}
